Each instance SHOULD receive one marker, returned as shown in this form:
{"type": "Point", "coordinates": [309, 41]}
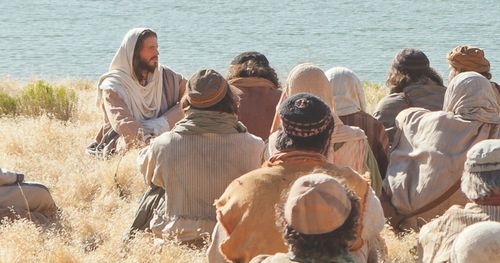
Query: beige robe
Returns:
{"type": "Point", "coordinates": [194, 170]}
{"type": "Point", "coordinates": [27, 200]}
{"type": "Point", "coordinates": [430, 149]}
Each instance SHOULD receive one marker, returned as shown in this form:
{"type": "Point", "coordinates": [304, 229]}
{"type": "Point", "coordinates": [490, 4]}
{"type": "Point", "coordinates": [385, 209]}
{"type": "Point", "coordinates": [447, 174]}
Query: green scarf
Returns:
{"type": "Point", "coordinates": [201, 121]}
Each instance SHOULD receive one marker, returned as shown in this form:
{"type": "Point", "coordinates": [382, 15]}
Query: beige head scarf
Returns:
{"type": "Point", "coordinates": [478, 243]}
{"type": "Point", "coordinates": [143, 102]}
{"type": "Point", "coordinates": [348, 93]}
{"type": "Point", "coordinates": [311, 79]}
{"type": "Point", "coordinates": [468, 58]}
{"type": "Point", "coordinates": [470, 96]}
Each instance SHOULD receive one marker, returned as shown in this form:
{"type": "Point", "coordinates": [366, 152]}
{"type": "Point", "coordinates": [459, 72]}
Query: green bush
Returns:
{"type": "Point", "coordinates": [8, 104]}
{"type": "Point", "coordinates": [374, 92]}
{"type": "Point", "coordinates": [42, 98]}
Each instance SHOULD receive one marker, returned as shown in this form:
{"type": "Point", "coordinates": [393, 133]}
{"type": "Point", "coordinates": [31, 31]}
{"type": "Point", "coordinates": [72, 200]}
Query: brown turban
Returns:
{"type": "Point", "coordinates": [468, 58]}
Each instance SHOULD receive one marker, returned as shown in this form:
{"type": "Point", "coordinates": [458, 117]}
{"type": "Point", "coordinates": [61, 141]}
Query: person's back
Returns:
{"type": "Point", "coordinates": [348, 145]}
{"type": "Point", "coordinates": [259, 85]}
{"type": "Point", "coordinates": [430, 149]}
{"type": "Point", "coordinates": [199, 157]}
{"type": "Point", "coordinates": [201, 167]}
{"type": "Point", "coordinates": [480, 185]}
{"type": "Point", "coordinates": [246, 210]}
{"type": "Point", "coordinates": [413, 83]}
{"type": "Point", "coordinates": [316, 228]}
{"type": "Point", "coordinates": [350, 105]}
{"type": "Point", "coordinates": [375, 134]}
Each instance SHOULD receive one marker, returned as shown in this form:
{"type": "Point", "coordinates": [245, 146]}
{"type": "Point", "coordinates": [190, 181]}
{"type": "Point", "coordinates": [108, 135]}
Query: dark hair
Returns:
{"type": "Point", "coordinates": [318, 143]}
{"type": "Point", "coordinates": [410, 66]}
{"type": "Point", "coordinates": [486, 74]}
{"type": "Point", "coordinates": [138, 46]}
{"type": "Point", "coordinates": [251, 68]}
{"type": "Point", "coordinates": [228, 104]}
{"type": "Point", "coordinates": [330, 244]}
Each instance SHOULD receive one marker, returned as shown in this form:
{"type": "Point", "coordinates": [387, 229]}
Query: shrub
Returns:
{"type": "Point", "coordinates": [42, 98]}
{"type": "Point", "coordinates": [374, 92]}
{"type": "Point", "coordinates": [8, 104]}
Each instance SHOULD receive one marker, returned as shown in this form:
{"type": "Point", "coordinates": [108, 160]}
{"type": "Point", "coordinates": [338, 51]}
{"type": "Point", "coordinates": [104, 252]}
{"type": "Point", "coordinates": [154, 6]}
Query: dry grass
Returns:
{"type": "Point", "coordinates": [94, 216]}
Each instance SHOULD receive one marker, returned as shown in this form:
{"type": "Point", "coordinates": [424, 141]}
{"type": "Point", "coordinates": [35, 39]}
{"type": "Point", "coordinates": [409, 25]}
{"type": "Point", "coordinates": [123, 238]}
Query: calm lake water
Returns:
{"type": "Point", "coordinates": [69, 38]}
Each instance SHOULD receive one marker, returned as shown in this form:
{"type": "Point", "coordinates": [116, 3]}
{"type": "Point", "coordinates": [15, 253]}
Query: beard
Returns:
{"type": "Point", "coordinates": [148, 65]}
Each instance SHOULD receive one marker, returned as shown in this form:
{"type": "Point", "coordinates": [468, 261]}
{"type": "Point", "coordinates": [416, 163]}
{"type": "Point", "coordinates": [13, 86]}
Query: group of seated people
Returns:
{"type": "Point", "coordinates": [301, 172]}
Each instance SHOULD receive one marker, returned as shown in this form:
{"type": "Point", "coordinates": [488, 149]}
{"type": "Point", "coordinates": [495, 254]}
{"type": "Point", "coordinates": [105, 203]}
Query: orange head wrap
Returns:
{"type": "Point", "coordinates": [469, 58]}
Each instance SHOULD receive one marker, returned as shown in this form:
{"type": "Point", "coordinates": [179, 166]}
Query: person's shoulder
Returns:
{"type": "Point", "coordinates": [391, 102]}
{"type": "Point", "coordinates": [166, 70]}
{"type": "Point", "coordinates": [334, 170]}
{"type": "Point", "coordinates": [411, 115]}
{"type": "Point", "coordinates": [445, 219]}
{"type": "Point", "coordinates": [253, 139]}
{"type": "Point", "coordinates": [392, 98]}
{"type": "Point", "coordinates": [252, 183]}
{"type": "Point", "coordinates": [355, 131]}
{"type": "Point", "coordinates": [166, 138]}
{"type": "Point", "coordinates": [372, 121]}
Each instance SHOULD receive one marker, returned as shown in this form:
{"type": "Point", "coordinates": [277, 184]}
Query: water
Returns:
{"type": "Point", "coordinates": [70, 38]}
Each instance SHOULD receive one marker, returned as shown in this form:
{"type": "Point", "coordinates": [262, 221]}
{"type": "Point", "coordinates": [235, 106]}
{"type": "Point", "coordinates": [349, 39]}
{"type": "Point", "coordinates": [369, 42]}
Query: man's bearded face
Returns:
{"type": "Point", "coordinates": [148, 55]}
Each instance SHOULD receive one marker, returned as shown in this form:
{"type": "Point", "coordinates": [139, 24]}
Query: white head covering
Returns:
{"type": "Point", "coordinates": [484, 156]}
{"type": "Point", "coordinates": [348, 93]}
{"type": "Point", "coordinates": [471, 96]}
{"type": "Point", "coordinates": [478, 243]}
{"type": "Point", "coordinates": [143, 101]}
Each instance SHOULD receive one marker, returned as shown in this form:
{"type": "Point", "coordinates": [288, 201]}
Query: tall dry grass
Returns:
{"type": "Point", "coordinates": [94, 218]}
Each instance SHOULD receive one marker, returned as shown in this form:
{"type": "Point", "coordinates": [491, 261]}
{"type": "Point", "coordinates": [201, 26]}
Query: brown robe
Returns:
{"type": "Point", "coordinates": [258, 100]}
{"type": "Point", "coordinates": [247, 212]}
{"type": "Point", "coordinates": [376, 136]}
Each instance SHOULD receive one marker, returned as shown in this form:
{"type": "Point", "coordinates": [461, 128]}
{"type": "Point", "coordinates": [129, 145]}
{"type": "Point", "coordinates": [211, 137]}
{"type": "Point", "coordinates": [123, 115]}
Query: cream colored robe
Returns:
{"type": "Point", "coordinates": [430, 148]}
{"type": "Point", "coordinates": [127, 104]}
{"type": "Point", "coordinates": [194, 170]}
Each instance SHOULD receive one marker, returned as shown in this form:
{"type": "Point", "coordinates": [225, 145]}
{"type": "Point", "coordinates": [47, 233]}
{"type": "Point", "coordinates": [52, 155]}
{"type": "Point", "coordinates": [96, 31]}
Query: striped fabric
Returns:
{"type": "Point", "coordinates": [436, 238]}
{"type": "Point", "coordinates": [376, 136]}
{"type": "Point", "coordinates": [195, 170]}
